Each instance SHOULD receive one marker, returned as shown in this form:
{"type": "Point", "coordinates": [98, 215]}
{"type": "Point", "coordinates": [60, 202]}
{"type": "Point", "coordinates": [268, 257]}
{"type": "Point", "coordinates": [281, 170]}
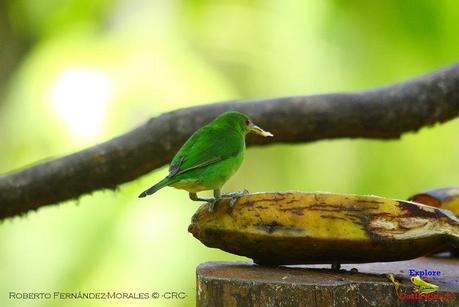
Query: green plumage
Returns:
{"type": "Point", "coordinates": [210, 156]}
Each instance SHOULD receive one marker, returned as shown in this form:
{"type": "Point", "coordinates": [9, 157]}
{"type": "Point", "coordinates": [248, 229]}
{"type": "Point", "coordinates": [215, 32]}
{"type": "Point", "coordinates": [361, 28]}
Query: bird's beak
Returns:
{"type": "Point", "coordinates": [255, 129]}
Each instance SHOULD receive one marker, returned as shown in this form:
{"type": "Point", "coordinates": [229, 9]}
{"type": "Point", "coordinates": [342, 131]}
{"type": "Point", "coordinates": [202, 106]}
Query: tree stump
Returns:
{"type": "Point", "coordinates": [246, 284]}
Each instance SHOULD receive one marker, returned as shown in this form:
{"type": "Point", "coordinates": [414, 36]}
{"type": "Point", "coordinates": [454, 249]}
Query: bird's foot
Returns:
{"type": "Point", "coordinates": [212, 203]}
{"type": "Point", "coordinates": [235, 196]}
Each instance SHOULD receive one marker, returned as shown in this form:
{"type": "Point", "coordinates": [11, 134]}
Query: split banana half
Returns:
{"type": "Point", "coordinates": [302, 228]}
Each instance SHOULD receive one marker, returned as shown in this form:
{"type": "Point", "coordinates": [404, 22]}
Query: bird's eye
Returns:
{"type": "Point", "coordinates": [247, 122]}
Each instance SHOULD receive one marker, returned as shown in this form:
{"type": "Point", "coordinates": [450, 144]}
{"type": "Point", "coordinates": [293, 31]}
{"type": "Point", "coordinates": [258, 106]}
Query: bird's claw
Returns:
{"type": "Point", "coordinates": [235, 196]}
{"type": "Point", "coordinates": [233, 201]}
{"type": "Point", "coordinates": [212, 203]}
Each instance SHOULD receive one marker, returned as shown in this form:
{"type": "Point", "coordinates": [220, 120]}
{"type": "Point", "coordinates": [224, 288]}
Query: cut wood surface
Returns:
{"type": "Point", "coordinates": [228, 284]}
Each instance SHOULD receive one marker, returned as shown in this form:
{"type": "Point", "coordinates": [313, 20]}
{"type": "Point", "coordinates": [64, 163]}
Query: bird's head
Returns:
{"type": "Point", "coordinates": [242, 123]}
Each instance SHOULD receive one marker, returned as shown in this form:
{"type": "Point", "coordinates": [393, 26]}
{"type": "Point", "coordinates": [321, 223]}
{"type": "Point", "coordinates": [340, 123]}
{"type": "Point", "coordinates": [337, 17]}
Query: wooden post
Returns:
{"type": "Point", "coordinates": [227, 284]}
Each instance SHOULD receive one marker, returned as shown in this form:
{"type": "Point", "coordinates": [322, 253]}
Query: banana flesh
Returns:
{"type": "Point", "coordinates": [302, 228]}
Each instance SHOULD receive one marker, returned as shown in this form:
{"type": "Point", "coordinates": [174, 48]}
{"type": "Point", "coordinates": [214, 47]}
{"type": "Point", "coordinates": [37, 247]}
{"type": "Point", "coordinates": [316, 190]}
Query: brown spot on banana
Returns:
{"type": "Point", "coordinates": [274, 226]}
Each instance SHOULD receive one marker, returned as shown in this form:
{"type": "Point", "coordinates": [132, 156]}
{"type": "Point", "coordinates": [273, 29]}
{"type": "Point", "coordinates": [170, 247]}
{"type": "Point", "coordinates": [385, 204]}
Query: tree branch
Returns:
{"type": "Point", "coordinates": [383, 113]}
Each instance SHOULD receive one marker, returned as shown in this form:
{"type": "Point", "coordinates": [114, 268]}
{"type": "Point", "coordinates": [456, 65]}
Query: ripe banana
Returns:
{"type": "Point", "coordinates": [445, 198]}
{"type": "Point", "coordinates": [298, 228]}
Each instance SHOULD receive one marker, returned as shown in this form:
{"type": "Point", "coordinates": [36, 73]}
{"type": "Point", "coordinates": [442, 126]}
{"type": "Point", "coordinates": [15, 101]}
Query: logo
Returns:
{"type": "Point", "coordinates": [422, 287]}
{"type": "Point", "coordinates": [425, 273]}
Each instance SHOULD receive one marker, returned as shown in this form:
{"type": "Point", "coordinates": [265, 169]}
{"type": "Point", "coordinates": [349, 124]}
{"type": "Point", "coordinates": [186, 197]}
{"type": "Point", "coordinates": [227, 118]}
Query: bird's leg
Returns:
{"type": "Point", "coordinates": [217, 194]}
{"type": "Point", "coordinates": [211, 201]}
{"type": "Point", "coordinates": [234, 196]}
{"type": "Point", "coordinates": [217, 197]}
{"type": "Point", "coordinates": [194, 196]}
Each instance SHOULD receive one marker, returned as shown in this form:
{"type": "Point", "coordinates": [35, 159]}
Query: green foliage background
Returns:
{"type": "Point", "coordinates": [164, 55]}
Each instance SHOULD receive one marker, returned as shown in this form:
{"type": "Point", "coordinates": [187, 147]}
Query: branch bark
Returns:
{"type": "Point", "coordinates": [383, 113]}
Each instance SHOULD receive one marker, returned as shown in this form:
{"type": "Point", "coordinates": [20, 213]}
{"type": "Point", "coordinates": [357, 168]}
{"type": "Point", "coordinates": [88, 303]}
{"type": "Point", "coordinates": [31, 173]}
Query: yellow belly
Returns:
{"type": "Point", "coordinates": [189, 185]}
{"type": "Point", "coordinates": [210, 177]}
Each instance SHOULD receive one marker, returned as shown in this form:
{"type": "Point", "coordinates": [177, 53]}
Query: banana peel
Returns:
{"type": "Point", "coordinates": [445, 198]}
{"type": "Point", "coordinates": [306, 228]}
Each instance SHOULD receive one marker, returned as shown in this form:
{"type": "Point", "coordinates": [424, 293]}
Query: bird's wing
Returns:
{"type": "Point", "coordinates": [206, 146]}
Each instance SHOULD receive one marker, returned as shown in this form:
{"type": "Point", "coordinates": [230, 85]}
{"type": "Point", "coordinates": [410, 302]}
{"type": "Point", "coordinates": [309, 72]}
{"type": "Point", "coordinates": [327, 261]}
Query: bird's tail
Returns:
{"type": "Point", "coordinates": [156, 187]}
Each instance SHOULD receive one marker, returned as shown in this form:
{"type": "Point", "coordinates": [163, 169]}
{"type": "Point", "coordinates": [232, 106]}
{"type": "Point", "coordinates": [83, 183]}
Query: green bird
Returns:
{"type": "Point", "coordinates": [210, 157]}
